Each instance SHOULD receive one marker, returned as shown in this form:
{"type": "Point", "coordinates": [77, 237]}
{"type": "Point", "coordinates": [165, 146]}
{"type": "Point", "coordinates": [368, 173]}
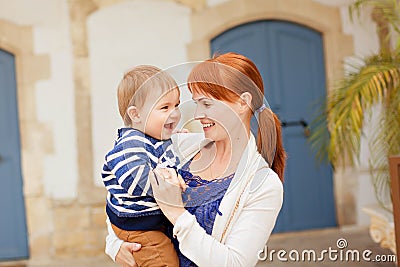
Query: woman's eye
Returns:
{"type": "Point", "coordinates": [204, 104]}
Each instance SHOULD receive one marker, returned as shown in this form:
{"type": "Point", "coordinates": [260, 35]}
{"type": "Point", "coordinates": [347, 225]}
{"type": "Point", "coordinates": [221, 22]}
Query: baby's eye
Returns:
{"type": "Point", "coordinates": [164, 107]}
{"type": "Point", "coordinates": [177, 105]}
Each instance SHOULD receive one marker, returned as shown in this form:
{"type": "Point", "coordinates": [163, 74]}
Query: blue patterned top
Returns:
{"type": "Point", "coordinates": [202, 199]}
{"type": "Point", "coordinates": [130, 202]}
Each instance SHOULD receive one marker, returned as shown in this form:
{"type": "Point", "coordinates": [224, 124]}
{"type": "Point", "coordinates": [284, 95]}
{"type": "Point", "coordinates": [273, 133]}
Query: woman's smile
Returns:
{"type": "Point", "coordinates": [206, 126]}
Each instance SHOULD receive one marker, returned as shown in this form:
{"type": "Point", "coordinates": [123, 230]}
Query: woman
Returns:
{"type": "Point", "coordinates": [233, 196]}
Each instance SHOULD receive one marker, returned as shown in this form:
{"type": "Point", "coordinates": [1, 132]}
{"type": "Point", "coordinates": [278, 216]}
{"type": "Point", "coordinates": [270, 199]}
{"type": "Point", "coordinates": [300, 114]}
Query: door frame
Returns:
{"type": "Point", "coordinates": [35, 138]}
{"type": "Point", "coordinates": [211, 22]}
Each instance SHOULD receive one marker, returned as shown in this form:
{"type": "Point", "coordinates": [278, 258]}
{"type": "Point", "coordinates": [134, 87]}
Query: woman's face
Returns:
{"type": "Point", "coordinates": [218, 118]}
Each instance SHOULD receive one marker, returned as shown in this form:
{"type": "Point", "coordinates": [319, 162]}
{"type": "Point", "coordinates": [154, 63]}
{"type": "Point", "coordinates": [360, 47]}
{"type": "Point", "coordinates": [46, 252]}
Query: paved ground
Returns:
{"type": "Point", "coordinates": [357, 240]}
{"type": "Point", "coordinates": [317, 240]}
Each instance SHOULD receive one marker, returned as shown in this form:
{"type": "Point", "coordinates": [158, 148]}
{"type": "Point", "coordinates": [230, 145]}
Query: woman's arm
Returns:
{"type": "Point", "coordinates": [247, 237]}
{"type": "Point", "coordinates": [118, 250]}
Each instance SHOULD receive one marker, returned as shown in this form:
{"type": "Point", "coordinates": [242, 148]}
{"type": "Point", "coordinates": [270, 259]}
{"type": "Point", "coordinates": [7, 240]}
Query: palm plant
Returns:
{"type": "Point", "coordinates": [372, 83]}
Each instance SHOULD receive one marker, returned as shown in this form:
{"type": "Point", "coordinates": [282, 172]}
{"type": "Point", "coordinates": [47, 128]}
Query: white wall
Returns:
{"type": "Point", "coordinates": [122, 36]}
{"type": "Point", "coordinates": [26, 12]}
{"type": "Point", "coordinates": [55, 96]}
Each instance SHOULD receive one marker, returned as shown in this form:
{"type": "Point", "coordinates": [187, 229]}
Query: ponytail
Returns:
{"type": "Point", "coordinates": [269, 141]}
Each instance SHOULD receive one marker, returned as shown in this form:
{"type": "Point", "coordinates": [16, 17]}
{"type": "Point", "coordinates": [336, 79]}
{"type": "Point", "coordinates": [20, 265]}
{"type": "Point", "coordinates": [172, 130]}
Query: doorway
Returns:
{"type": "Point", "coordinates": [13, 231]}
{"type": "Point", "coordinates": [291, 61]}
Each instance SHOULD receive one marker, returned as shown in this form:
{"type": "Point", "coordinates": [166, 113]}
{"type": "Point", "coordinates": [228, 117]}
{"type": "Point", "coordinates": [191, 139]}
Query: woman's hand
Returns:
{"type": "Point", "coordinates": [167, 190]}
{"type": "Point", "coordinates": [124, 256]}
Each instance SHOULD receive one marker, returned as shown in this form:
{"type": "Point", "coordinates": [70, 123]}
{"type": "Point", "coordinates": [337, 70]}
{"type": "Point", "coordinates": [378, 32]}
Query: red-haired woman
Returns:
{"type": "Point", "coordinates": [234, 183]}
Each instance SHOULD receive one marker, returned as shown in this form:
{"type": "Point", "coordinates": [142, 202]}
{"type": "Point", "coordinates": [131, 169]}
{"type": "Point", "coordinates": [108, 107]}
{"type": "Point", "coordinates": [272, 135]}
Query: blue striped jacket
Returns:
{"type": "Point", "coordinates": [126, 170]}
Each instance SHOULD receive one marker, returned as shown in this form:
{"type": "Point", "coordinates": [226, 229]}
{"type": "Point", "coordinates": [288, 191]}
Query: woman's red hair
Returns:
{"type": "Point", "coordinates": [225, 77]}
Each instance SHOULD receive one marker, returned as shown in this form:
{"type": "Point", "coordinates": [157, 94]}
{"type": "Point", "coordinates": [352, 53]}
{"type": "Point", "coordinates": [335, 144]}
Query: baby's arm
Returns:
{"type": "Point", "coordinates": [113, 243]}
{"type": "Point", "coordinates": [118, 250]}
{"type": "Point", "coordinates": [129, 163]}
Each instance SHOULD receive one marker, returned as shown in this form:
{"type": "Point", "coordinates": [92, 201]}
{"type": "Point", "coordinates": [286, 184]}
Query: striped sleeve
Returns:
{"type": "Point", "coordinates": [130, 162]}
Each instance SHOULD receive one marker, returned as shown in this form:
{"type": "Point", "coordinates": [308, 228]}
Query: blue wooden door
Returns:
{"type": "Point", "coordinates": [291, 61]}
{"type": "Point", "coordinates": [13, 234]}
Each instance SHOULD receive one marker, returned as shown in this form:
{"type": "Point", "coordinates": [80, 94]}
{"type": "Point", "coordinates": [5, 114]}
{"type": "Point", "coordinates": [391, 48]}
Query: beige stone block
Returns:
{"type": "Point", "coordinates": [18, 38]}
{"type": "Point", "coordinates": [98, 217]}
{"type": "Point", "coordinates": [71, 218]}
{"type": "Point", "coordinates": [314, 14]}
{"type": "Point", "coordinates": [88, 192]}
{"type": "Point", "coordinates": [82, 74]}
{"type": "Point", "coordinates": [78, 33]}
{"type": "Point", "coordinates": [26, 100]}
{"type": "Point", "coordinates": [198, 50]}
{"type": "Point", "coordinates": [345, 186]}
{"type": "Point", "coordinates": [95, 243]}
{"type": "Point", "coordinates": [193, 4]}
{"type": "Point", "coordinates": [67, 243]}
{"type": "Point", "coordinates": [80, 243]}
{"type": "Point", "coordinates": [40, 247]}
{"type": "Point", "coordinates": [39, 216]}
{"type": "Point", "coordinates": [35, 67]}
{"type": "Point", "coordinates": [105, 3]}
{"type": "Point", "coordinates": [80, 10]}
{"type": "Point", "coordinates": [32, 175]}
{"type": "Point", "coordinates": [91, 194]}
{"type": "Point", "coordinates": [38, 138]}
{"type": "Point", "coordinates": [210, 22]}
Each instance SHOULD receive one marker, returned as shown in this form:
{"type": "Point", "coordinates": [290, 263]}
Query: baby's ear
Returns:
{"type": "Point", "coordinates": [133, 113]}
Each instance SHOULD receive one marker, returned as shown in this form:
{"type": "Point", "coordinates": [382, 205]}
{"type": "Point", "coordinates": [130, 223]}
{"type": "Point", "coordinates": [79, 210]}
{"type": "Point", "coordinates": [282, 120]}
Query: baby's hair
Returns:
{"type": "Point", "coordinates": [136, 85]}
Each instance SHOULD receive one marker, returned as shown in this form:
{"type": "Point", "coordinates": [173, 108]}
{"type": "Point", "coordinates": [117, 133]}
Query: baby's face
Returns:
{"type": "Point", "coordinates": [164, 114]}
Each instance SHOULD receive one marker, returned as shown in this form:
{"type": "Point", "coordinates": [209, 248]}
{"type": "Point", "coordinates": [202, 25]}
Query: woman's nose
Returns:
{"type": "Point", "coordinates": [199, 114]}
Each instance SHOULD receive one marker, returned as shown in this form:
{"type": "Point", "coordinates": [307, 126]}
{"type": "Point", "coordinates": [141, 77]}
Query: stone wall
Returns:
{"type": "Point", "coordinates": [64, 204]}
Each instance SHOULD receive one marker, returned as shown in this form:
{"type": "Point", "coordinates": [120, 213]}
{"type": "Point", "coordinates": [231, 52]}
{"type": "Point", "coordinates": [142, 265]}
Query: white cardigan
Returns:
{"type": "Point", "coordinates": [249, 211]}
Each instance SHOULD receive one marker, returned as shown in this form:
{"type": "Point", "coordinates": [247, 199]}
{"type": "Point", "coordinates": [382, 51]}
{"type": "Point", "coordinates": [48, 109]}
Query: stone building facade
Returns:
{"type": "Point", "coordinates": [67, 71]}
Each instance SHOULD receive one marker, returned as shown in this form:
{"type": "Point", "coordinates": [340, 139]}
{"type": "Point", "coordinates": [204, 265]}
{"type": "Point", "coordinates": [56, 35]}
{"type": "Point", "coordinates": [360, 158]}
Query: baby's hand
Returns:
{"type": "Point", "coordinates": [170, 176]}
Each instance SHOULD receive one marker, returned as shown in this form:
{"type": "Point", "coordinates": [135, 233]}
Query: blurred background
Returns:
{"type": "Point", "coordinates": [61, 62]}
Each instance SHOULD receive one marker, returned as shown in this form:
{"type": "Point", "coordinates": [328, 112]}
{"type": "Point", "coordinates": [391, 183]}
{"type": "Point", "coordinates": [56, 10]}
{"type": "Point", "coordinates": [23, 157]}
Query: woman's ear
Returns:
{"type": "Point", "coordinates": [245, 103]}
{"type": "Point", "coordinates": [133, 113]}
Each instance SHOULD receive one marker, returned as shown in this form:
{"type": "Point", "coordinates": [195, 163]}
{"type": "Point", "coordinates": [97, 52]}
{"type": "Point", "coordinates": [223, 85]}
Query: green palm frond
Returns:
{"type": "Point", "coordinates": [379, 167]}
{"type": "Point", "coordinates": [319, 139]}
{"type": "Point", "coordinates": [392, 121]}
{"type": "Point", "coordinates": [346, 106]}
{"type": "Point", "coordinates": [369, 85]}
{"type": "Point", "coordinates": [390, 10]}
{"type": "Point", "coordinates": [386, 142]}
